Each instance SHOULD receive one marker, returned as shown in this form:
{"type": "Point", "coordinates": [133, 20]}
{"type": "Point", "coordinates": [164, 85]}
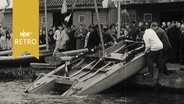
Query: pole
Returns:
{"type": "Point", "coordinates": [100, 30]}
{"type": "Point", "coordinates": [119, 18]}
{"type": "Point", "coordinates": [47, 42]}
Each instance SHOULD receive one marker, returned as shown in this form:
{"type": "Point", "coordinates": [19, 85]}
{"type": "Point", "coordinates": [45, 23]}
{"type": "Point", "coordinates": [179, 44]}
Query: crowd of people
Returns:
{"type": "Point", "coordinates": [5, 38]}
{"type": "Point", "coordinates": [163, 43]}
{"type": "Point", "coordinates": [64, 38]}
{"type": "Point", "coordinates": [175, 33]}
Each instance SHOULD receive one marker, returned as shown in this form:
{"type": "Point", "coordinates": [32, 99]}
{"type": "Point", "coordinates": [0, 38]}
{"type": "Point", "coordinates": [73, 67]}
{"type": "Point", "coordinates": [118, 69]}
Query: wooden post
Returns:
{"type": "Point", "coordinates": [100, 30]}
{"type": "Point", "coordinates": [47, 42]}
{"type": "Point", "coordinates": [119, 18]}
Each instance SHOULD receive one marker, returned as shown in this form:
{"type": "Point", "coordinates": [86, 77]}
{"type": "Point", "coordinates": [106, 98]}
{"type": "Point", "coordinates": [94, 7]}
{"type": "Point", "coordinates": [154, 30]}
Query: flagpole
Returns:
{"type": "Point", "coordinates": [73, 6]}
{"type": "Point", "coordinates": [119, 18]}
{"type": "Point", "coordinates": [98, 20]}
{"type": "Point", "coordinates": [47, 42]}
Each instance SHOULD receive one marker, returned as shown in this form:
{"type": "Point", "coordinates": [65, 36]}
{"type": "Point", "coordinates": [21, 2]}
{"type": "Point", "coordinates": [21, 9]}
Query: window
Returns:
{"type": "Point", "coordinates": [81, 18]}
{"type": "Point", "coordinates": [148, 17]}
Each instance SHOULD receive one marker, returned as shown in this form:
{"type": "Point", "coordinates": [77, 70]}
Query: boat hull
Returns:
{"type": "Point", "coordinates": [22, 60]}
{"type": "Point", "coordinates": [91, 74]}
{"type": "Point", "coordinates": [119, 73]}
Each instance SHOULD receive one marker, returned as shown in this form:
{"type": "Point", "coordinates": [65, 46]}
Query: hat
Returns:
{"type": "Point", "coordinates": [182, 27]}
{"type": "Point", "coordinates": [105, 27]}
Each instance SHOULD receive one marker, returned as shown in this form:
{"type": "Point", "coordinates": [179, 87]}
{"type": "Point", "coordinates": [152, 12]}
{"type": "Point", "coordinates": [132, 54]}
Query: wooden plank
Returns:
{"type": "Point", "coordinates": [115, 56]}
{"type": "Point", "coordinates": [64, 81]}
{"type": "Point", "coordinates": [66, 58]}
{"type": "Point", "coordinates": [92, 75]}
{"type": "Point", "coordinates": [43, 65]}
{"type": "Point", "coordinates": [52, 60]}
{"type": "Point", "coordinates": [82, 69]}
{"type": "Point", "coordinates": [72, 52]}
{"type": "Point", "coordinates": [5, 52]}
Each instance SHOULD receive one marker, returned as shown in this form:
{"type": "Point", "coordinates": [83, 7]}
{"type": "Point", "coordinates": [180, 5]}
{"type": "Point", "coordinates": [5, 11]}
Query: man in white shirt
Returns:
{"type": "Point", "coordinates": [154, 49]}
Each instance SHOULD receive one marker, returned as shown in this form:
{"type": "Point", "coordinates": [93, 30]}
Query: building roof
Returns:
{"type": "Point", "coordinates": [58, 3]}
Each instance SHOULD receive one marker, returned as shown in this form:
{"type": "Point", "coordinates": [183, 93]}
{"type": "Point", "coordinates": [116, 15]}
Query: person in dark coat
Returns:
{"type": "Point", "coordinates": [72, 41]}
{"type": "Point", "coordinates": [106, 36]}
{"type": "Point", "coordinates": [166, 44]}
{"type": "Point", "coordinates": [182, 45]}
{"type": "Point", "coordinates": [134, 31]}
{"type": "Point", "coordinates": [42, 37]}
{"type": "Point", "coordinates": [80, 35]}
{"type": "Point", "coordinates": [94, 39]}
{"type": "Point", "coordinates": [164, 26]}
{"type": "Point", "coordinates": [51, 39]}
{"type": "Point", "coordinates": [173, 35]}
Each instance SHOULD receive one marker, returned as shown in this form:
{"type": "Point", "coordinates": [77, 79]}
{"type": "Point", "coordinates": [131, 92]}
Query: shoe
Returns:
{"type": "Point", "coordinates": [166, 72]}
{"type": "Point", "coordinates": [146, 74]}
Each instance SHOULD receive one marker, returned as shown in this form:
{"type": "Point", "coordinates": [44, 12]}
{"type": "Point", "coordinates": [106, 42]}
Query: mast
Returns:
{"type": "Point", "coordinates": [119, 18]}
{"type": "Point", "coordinates": [47, 42]}
{"type": "Point", "coordinates": [100, 30]}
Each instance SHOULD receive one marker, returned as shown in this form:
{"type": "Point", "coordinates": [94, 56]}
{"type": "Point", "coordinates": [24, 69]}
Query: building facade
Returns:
{"type": "Point", "coordinates": [84, 12]}
{"type": "Point", "coordinates": [159, 11]}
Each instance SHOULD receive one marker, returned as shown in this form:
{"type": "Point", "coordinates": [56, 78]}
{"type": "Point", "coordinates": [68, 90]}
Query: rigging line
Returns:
{"type": "Point", "coordinates": [125, 57]}
{"type": "Point", "coordinates": [130, 8]}
{"type": "Point", "coordinates": [130, 20]}
{"type": "Point", "coordinates": [127, 14]}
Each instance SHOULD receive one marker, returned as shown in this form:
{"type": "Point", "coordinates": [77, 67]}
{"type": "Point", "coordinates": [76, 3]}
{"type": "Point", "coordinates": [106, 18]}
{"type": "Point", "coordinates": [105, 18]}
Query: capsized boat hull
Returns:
{"type": "Point", "coordinates": [92, 74]}
{"type": "Point", "coordinates": [115, 72]}
{"type": "Point", "coordinates": [23, 60]}
{"type": "Point", "coordinates": [9, 52]}
{"type": "Point", "coordinates": [40, 83]}
{"type": "Point", "coordinates": [119, 73]}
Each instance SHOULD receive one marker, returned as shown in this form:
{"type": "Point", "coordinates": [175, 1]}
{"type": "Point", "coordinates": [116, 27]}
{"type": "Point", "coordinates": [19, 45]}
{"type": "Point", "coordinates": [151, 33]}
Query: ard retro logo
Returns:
{"type": "Point", "coordinates": [25, 27]}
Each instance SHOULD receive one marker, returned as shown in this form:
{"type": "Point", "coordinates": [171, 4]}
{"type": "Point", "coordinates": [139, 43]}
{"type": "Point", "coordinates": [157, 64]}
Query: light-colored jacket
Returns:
{"type": "Point", "coordinates": [152, 41]}
{"type": "Point", "coordinates": [63, 39]}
